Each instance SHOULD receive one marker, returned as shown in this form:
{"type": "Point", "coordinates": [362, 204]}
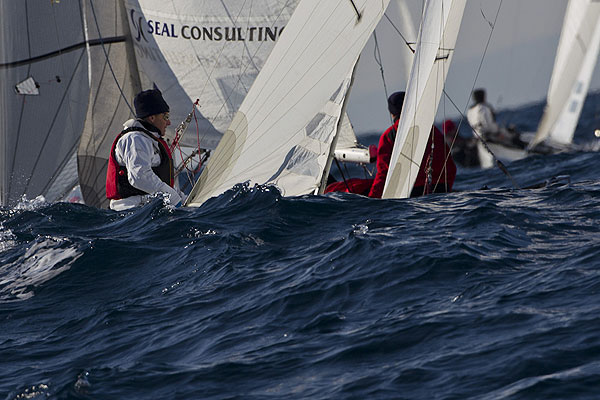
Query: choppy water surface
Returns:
{"type": "Point", "coordinates": [478, 294]}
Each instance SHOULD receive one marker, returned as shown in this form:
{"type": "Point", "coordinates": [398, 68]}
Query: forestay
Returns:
{"type": "Point", "coordinates": [43, 79]}
{"type": "Point", "coordinates": [434, 50]}
{"type": "Point", "coordinates": [284, 128]}
{"type": "Point", "coordinates": [574, 64]}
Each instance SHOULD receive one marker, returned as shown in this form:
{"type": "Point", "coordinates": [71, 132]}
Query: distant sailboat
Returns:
{"type": "Point", "coordinates": [574, 64]}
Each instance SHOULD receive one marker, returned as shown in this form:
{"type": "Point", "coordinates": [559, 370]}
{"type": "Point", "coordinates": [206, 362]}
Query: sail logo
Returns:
{"type": "Point", "coordinates": [231, 34]}
{"type": "Point", "coordinates": [205, 33]}
{"type": "Point", "coordinates": [137, 27]}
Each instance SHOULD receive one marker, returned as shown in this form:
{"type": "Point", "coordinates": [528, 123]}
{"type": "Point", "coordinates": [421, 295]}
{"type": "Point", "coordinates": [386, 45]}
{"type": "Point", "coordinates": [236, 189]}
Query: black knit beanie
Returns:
{"type": "Point", "coordinates": [149, 102]}
{"type": "Point", "coordinates": [395, 102]}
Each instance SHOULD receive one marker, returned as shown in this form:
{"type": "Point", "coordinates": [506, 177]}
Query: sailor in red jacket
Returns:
{"type": "Point", "coordinates": [443, 169]}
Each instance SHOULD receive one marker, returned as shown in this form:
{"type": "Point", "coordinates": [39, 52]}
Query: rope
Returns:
{"type": "Point", "coordinates": [378, 60]}
{"type": "Point", "coordinates": [108, 59]}
{"type": "Point", "coordinates": [342, 173]}
{"type": "Point", "coordinates": [406, 42]}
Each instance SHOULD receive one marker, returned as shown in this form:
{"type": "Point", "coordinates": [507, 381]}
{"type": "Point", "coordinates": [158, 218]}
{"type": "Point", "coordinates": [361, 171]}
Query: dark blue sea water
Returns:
{"type": "Point", "coordinates": [478, 294]}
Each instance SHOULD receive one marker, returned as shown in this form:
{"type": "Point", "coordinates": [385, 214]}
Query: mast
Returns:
{"type": "Point", "coordinates": [323, 183]}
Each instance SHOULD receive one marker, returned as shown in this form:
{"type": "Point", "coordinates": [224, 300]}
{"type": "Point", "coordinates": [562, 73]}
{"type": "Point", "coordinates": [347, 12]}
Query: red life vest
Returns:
{"type": "Point", "coordinates": [117, 182]}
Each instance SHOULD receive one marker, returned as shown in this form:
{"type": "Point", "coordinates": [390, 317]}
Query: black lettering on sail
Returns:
{"type": "Point", "coordinates": [270, 33]}
{"type": "Point", "coordinates": [227, 37]}
{"type": "Point", "coordinates": [218, 33]}
{"type": "Point", "coordinates": [251, 30]}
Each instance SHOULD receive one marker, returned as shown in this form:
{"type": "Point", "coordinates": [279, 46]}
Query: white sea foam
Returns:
{"type": "Point", "coordinates": [43, 260]}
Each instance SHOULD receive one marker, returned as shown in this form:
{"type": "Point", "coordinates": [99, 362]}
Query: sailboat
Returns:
{"type": "Point", "coordinates": [285, 129]}
{"type": "Point", "coordinates": [576, 58]}
{"type": "Point", "coordinates": [188, 50]}
{"type": "Point", "coordinates": [574, 64]}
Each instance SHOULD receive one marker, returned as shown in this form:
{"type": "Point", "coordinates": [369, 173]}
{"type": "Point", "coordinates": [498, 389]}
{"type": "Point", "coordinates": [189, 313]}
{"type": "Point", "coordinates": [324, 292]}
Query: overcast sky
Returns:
{"type": "Point", "coordinates": [516, 68]}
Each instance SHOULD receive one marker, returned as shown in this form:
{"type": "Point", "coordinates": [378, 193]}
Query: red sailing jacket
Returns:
{"type": "Point", "coordinates": [442, 178]}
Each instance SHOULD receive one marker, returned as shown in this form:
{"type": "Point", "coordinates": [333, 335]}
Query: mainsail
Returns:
{"type": "Point", "coordinates": [206, 50]}
{"type": "Point", "coordinates": [43, 79]}
{"type": "Point", "coordinates": [435, 47]}
{"type": "Point", "coordinates": [283, 131]}
{"type": "Point", "coordinates": [574, 64]}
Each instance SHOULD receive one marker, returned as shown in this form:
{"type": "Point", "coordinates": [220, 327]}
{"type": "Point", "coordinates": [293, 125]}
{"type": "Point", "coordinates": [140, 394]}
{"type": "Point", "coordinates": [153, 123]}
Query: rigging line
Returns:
{"type": "Point", "coordinates": [235, 22]}
{"type": "Point", "coordinates": [51, 127]}
{"type": "Point", "coordinates": [499, 163]}
{"type": "Point", "coordinates": [378, 60]}
{"type": "Point", "coordinates": [444, 69]}
{"type": "Point", "coordinates": [210, 73]}
{"type": "Point", "coordinates": [22, 113]}
{"type": "Point", "coordinates": [108, 59]}
{"type": "Point", "coordinates": [284, 78]}
{"type": "Point", "coordinates": [342, 173]}
{"type": "Point", "coordinates": [72, 150]}
{"type": "Point", "coordinates": [406, 42]}
{"type": "Point", "coordinates": [62, 63]}
{"type": "Point", "coordinates": [429, 184]}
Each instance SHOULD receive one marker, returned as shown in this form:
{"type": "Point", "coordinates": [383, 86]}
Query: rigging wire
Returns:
{"type": "Point", "coordinates": [108, 59]}
{"type": "Point", "coordinates": [408, 44]}
{"type": "Point", "coordinates": [378, 60]}
{"type": "Point", "coordinates": [498, 163]}
{"type": "Point", "coordinates": [209, 72]}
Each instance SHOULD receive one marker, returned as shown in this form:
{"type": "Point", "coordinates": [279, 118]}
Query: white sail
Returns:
{"type": "Point", "coordinates": [206, 50]}
{"type": "Point", "coordinates": [410, 34]}
{"type": "Point", "coordinates": [573, 67]}
{"type": "Point", "coordinates": [283, 130]}
{"type": "Point", "coordinates": [43, 79]}
{"type": "Point", "coordinates": [347, 137]}
{"type": "Point", "coordinates": [434, 50]}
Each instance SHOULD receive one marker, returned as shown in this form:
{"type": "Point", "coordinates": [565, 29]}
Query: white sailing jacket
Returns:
{"type": "Point", "coordinates": [481, 119]}
{"type": "Point", "coordinates": [139, 153]}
